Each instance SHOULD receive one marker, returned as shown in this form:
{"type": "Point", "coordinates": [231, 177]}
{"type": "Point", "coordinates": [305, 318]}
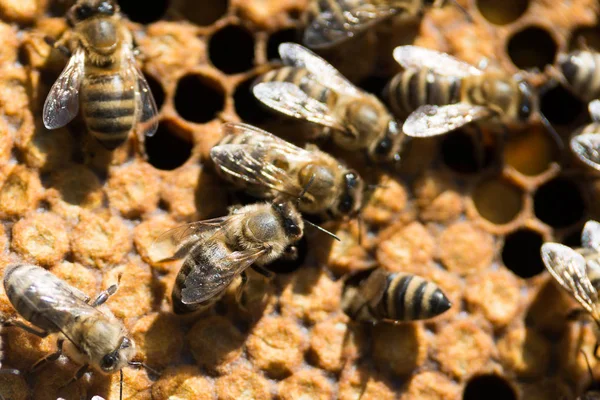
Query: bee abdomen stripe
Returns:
{"type": "Point", "coordinates": [109, 126]}
{"type": "Point", "coordinates": [417, 300]}
{"type": "Point", "coordinates": [110, 112]}
{"type": "Point", "coordinates": [397, 297]}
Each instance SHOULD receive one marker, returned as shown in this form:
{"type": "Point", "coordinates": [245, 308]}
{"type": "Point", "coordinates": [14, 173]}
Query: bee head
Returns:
{"type": "Point", "coordinates": [119, 357]}
{"type": "Point", "coordinates": [351, 199]}
{"type": "Point", "coordinates": [86, 9]}
{"type": "Point", "coordinates": [290, 218]}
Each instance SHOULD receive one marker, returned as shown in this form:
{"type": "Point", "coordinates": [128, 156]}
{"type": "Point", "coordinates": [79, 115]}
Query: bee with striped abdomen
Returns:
{"type": "Point", "coordinates": [586, 142]}
{"type": "Point", "coordinates": [438, 93]}
{"type": "Point", "coordinates": [267, 166]}
{"type": "Point", "coordinates": [392, 297]}
{"type": "Point", "coordinates": [94, 336]}
{"type": "Point", "coordinates": [578, 272]}
{"type": "Point", "coordinates": [309, 88]}
{"type": "Point", "coordinates": [101, 77]}
{"type": "Point", "coordinates": [218, 250]}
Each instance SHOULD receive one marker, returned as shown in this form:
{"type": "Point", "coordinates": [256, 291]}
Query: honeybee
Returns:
{"type": "Point", "coordinates": [392, 297]}
{"type": "Point", "coordinates": [578, 272]}
{"type": "Point", "coordinates": [586, 143]}
{"type": "Point", "coordinates": [309, 88]}
{"type": "Point", "coordinates": [581, 74]}
{"type": "Point", "coordinates": [94, 336]}
{"type": "Point", "coordinates": [101, 76]}
{"type": "Point", "coordinates": [218, 250]}
{"type": "Point", "coordinates": [267, 167]}
{"type": "Point", "coordinates": [332, 22]}
{"type": "Point", "coordinates": [439, 93]}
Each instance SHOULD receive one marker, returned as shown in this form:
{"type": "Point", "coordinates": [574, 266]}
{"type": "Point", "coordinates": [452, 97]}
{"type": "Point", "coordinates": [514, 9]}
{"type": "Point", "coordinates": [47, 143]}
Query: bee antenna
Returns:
{"type": "Point", "coordinates": [143, 365]}
{"type": "Point", "coordinates": [121, 386]}
{"type": "Point", "coordinates": [308, 185]}
{"type": "Point", "coordinates": [321, 229]}
{"type": "Point", "coordinates": [359, 220]}
{"type": "Point", "coordinates": [587, 362]}
{"type": "Point", "coordinates": [552, 131]}
{"type": "Point", "coordinates": [463, 10]}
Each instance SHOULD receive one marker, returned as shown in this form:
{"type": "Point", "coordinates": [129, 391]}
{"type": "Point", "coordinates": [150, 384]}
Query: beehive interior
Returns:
{"type": "Point", "coordinates": [468, 211]}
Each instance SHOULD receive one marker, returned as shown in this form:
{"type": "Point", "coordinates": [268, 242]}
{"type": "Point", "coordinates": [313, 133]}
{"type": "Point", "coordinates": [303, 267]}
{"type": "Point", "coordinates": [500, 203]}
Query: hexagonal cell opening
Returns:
{"type": "Point", "coordinates": [166, 150]}
{"type": "Point", "coordinates": [585, 36]}
{"type": "Point", "coordinates": [559, 203]}
{"type": "Point", "coordinates": [231, 49]}
{"type": "Point", "coordinates": [518, 154]}
{"type": "Point", "coordinates": [502, 12]}
{"type": "Point", "coordinates": [151, 11]}
{"type": "Point", "coordinates": [489, 387]}
{"type": "Point", "coordinates": [282, 36]}
{"type": "Point", "coordinates": [247, 107]}
{"type": "Point", "coordinates": [198, 98]}
{"type": "Point", "coordinates": [532, 47]}
{"type": "Point", "coordinates": [157, 91]}
{"type": "Point", "coordinates": [206, 15]}
{"type": "Point", "coordinates": [465, 152]}
{"type": "Point", "coordinates": [560, 106]}
{"type": "Point", "coordinates": [521, 253]}
{"type": "Point", "coordinates": [497, 200]}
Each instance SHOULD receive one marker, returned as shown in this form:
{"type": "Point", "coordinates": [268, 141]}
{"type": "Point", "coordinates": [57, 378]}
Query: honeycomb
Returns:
{"type": "Point", "coordinates": [467, 211]}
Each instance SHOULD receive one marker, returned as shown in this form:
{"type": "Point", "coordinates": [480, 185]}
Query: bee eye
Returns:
{"type": "Point", "coordinates": [292, 228]}
{"type": "Point", "coordinates": [346, 205]}
{"type": "Point", "coordinates": [525, 109]}
{"type": "Point", "coordinates": [383, 147]}
{"type": "Point", "coordinates": [83, 12]}
{"type": "Point", "coordinates": [108, 362]}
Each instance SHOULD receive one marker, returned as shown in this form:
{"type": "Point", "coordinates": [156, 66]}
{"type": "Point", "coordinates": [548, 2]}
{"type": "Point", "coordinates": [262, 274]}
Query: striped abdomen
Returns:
{"type": "Point", "coordinates": [581, 70]}
{"type": "Point", "coordinates": [409, 297]}
{"type": "Point", "coordinates": [410, 89]}
{"type": "Point", "coordinates": [108, 102]}
{"type": "Point", "coordinates": [302, 79]}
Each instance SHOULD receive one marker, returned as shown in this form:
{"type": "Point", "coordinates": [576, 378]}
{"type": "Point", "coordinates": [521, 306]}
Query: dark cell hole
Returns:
{"type": "Point", "coordinates": [502, 13]}
{"type": "Point", "coordinates": [533, 47]}
{"type": "Point", "coordinates": [464, 152]}
{"type": "Point", "coordinates": [560, 106]}
{"type": "Point", "coordinates": [247, 106]}
{"type": "Point", "coordinates": [375, 85]}
{"type": "Point", "coordinates": [198, 99]}
{"type": "Point", "coordinates": [231, 49]}
{"type": "Point", "coordinates": [488, 387]}
{"type": "Point", "coordinates": [521, 253]}
{"type": "Point", "coordinates": [573, 239]}
{"type": "Point", "coordinates": [284, 266]}
{"type": "Point", "coordinates": [166, 150]}
{"type": "Point", "coordinates": [206, 14]}
{"type": "Point", "coordinates": [282, 36]}
{"type": "Point", "coordinates": [585, 36]}
{"type": "Point", "coordinates": [559, 203]}
{"type": "Point", "coordinates": [144, 12]}
{"type": "Point", "coordinates": [157, 91]}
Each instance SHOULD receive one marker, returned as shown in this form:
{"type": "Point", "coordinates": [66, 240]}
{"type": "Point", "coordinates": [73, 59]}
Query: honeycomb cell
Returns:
{"type": "Point", "coordinates": [210, 12]}
{"type": "Point", "coordinates": [134, 297]}
{"type": "Point", "coordinates": [502, 13]}
{"type": "Point", "coordinates": [281, 36]}
{"type": "Point", "coordinates": [464, 152]}
{"type": "Point", "coordinates": [158, 92]}
{"type": "Point", "coordinates": [362, 383]}
{"type": "Point", "coordinates": [497, 200]}
{"type": "Point", "coordinates": [167, 150]}
{"type": "Point", "coordinates": [306, 384]}
{"type": "Point", "coordinates": [133, 189]}
{"type": "Point", "coordinates": [41, 238]}
{"type": "Point", "coordinates": [78, 276]}
{"type": "Point", "coordinates": [399, 348]}
{"type": "Point", "coordinates": [136, 385]}
{"type": "Point", "coordinates": [388, 202]}
{"type": "Point", "coordinates": [521, 253]}
{"type": "Point", "coordinates": [151, 11]}
{"type": "Point", "coordinates": [525, 352]}
{"type": "Point", "coordinates": [492, 387]}
{"type": "Point", "coordinates": [532, 47]}
{"type": "Point", "coordinates": [221, 45]}
{"type": "Point", "coordinates": [561, 106]}
{"type": "Point", "coordinates": [518, 154]}
{"type": "Point", "coordinates": [75, 185]}
{"type": "Point", "coordinates": [327, 342]}
{"type": "Point", "coordinates": [247, 106]}
{"type": "Point", "coordinates": [242, 383]}
{"type": "Point", "coordinates": [410, 245]}
{"type": "Point", "coordinates": [198, 98]}
{"type": "Point", "coordinates": [465, 248]}
{"type": "Point", "coordinates": [547, 389]}
{"type": "Point", "coordinates": [19, 192]}
{"type": "Point", "coordinates": [430, 385]}
{"type": "Point", "coordinates": [183, 382]}
{"type": "Point", "coordinates": [559, 203]}
{"type": "Point", "coordinates": [495, 294]}
{"type": "Point", "coordinates": [158, 337]}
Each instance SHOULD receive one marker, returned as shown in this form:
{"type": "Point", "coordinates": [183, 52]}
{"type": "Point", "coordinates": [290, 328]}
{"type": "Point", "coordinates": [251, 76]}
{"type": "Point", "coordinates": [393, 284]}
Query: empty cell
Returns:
{"type": "Point", "coordinates": [518, 154]}
{"type": "Point", "coordinates": [465, 151]}
{"type": "Point", "coordinates": [561, 107]}
{"type": "Point", "coordinates": [231, 49]}
{"type": "Point", "coordinates": [502, 12]}
{"type": "Point", "coordinates": [166, 150]}
{"type": "Point", "coordinates": [559, 203]}
{"type": "Point", "coordinates": [150, 11]}
{"type": "Point", "coordinates": [497, 200]}
{"type": "Point", "coordinates": [521, 253]}
{"type": "Point", "coordinates": [532, 47]}
{"type": "Point", "coordinates": [489, 387]}
{"type": "Point", "coordinates": [247, 106]}
{"type": "Point", "coordinates": [157, 91]}
{"type": "Point", "coordinates": [210, 11]}
{"type": "Point", "coordinates": [198, 98]}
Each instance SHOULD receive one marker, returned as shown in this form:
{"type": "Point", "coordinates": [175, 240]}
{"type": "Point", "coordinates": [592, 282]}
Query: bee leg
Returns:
{"type": "Point", "coordinates": [26, 328]}
{"type": "Point", "coordinates": [240, 297]}
{"type": "Point", "coordinates": [264, 272]}
{"type": "Point", "coordinates": [576, 314]}
{"type": "Point", "coordinates": [58, 45]}
{"type": "Point", "coordinates": [78, 375]}
{"type": "Point", "coordinates": [49, 358]}
{"type": "Point", "coordinates": [595, 353]}
{"type": "Point", "coordinates": [105, 294]}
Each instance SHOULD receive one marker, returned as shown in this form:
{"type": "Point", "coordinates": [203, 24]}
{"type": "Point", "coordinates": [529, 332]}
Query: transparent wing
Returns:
{"type": "Point", "coordinates": [146, 106]}
{"type": "Point", "coordinates": [587, 148]}
{"type": "Point", "coordinates": [590, 236]}
{"type": "Point", "coordinates": [206, 281]}
{"type": "Point", "coordinates": [290, 100]}
{"type": "Point", "coordinates": [339, 20]}
{"type": "Point", "coordinates": [430, 120]}
{"type": "Point", "coordinates": [414, 57]}
{"type": "Point", "coordinates": [594, 110]}
{"type": "Point", "coordinates": [297, 56]}
{"type": "Point", "coordinates": [62, 103]}
{"type": "Point", "coordinates": [569, 269]}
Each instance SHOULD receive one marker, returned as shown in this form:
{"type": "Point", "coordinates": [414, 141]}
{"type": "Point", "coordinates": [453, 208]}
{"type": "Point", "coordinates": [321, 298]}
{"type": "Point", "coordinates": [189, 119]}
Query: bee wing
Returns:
{"type": "Point", "coordinates": [569, 269]}
{"type": "Point", "coordinates": [342, 19]}
{"type": "Point", "coordinates": [414, 57]}
{"type": "Point", "coordinates": [587, 148]}
{"type": "Point", "coordinates": [430, 120]}
{"type": "Point", "coordinates": [62, 103]}
{"type": "Point", "coordinates": [297, 56]}
{"type": "Point", "coordinates": [590, 236]}
{"type": "Point", "coordinates": [289, 99]}
{"type": "Point", "coordinates": [594, 110]}
{"type": "Point", "coordinates": [205, 282]}
{"type": "Point", "coordinates": [146, 106]}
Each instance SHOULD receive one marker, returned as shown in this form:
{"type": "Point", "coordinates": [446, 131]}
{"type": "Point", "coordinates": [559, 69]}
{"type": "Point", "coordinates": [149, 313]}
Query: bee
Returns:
{"type": "Point", "coordinates": [392, 297]}
{"type": "Point", "coordinates": [101, 77]}
{"type": "Point", "coordinates": [332, 22]}
{"type": "Point", "coordinates": [580, 73]}
{"type": "Point", "coordinates": [267, 167]}
{"type": "Point", "coordinates": [95, 338]}
{"type": "Point", "coordinates": [218, 250]}
{"type": "Point", "coordinates": [438, 93]}
{"type": "Point", "coordinates": [309, 88]}
{"type": "Point", "coordinates": [586, 143]}
{"type": "Point", "coordinates": [578, 272]}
